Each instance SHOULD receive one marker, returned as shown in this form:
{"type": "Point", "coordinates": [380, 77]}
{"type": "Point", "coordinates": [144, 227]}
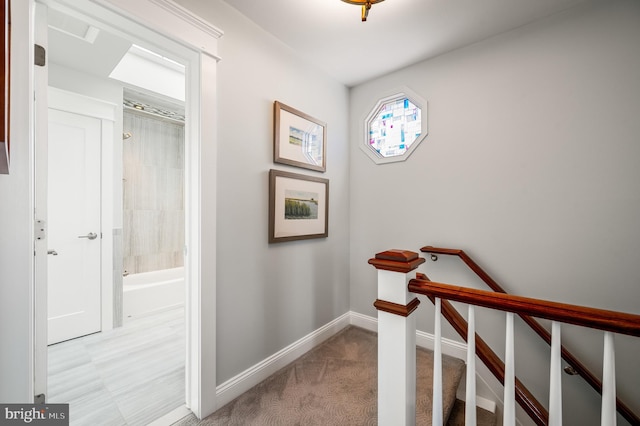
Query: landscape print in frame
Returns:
{"type": "Point", "coordinates": [298, 207]}
{"type": "Point", "coordinates": [299, 139]}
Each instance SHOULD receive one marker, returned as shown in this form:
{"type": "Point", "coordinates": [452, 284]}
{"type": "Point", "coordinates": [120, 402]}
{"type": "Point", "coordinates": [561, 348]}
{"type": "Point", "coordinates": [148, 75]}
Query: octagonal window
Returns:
{"type": "Point", "coordinates": [394, 128]}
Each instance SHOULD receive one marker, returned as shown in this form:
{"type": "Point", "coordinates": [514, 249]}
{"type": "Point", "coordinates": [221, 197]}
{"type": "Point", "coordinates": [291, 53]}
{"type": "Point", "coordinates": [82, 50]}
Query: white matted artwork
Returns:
{"type": "Point", "coordinates": [299, 139]}
{"type": "Point", "coordinates": [298, 206]}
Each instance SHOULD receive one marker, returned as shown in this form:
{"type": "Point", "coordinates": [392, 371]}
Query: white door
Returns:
{"type": "Point", "coordinates": [74, 225]}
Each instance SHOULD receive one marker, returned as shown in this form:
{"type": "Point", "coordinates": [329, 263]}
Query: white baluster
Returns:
{"type": "Point", "coordinates": [470, 408]}
{"type": "Point", "coordinates": [608, 382]}
{"type": "Point", "coordinates": [555, 378]}
{"type": "Point", "coordinates": [436, 413]}
{"type": "Point", "coordinates": [509, 418]}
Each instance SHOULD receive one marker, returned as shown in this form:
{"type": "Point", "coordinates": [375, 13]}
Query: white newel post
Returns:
{"type": "Point", "coordinates": [396, 337]}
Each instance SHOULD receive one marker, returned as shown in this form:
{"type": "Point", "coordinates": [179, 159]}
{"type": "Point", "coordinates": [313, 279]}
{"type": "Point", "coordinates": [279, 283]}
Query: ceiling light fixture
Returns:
{"type": "Point", "coordinates": [366, 5]}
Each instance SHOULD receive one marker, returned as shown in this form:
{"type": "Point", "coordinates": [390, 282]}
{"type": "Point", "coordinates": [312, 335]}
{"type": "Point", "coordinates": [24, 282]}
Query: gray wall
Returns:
{"type": "Point", "coordinates": [271, 295]}
{"type": "Point", "coordinates": [530, 165]}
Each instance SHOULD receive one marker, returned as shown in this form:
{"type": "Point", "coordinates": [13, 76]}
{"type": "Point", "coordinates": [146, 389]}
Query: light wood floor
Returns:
{"type": "Point", "coordinates": [131, 375]}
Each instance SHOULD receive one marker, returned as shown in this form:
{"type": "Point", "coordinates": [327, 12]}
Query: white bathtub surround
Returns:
{"type": "Point", "coordinates": [153, 194]}
{"type": "Point", "coordinates": [151, 292]}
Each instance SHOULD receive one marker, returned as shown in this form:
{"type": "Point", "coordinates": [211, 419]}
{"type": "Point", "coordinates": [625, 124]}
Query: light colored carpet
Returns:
{"type": "Point", "coordinates": [333, 384]}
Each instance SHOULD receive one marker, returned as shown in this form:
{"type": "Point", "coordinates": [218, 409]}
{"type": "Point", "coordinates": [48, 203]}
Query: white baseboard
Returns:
{"type": "Point", "coordinates": [363, 321]}
{"type": "Point", "coordinates": [486, 404]}
{"type": "Point", "coordinates": [236, 386]}
{"type": "Point", "coordinates": [449, 347]}
{"type": "Point", "coordinates": [481, 402]}
{"type": "Point", "coordinates": [424, 340]}
{"type": "Point", "coordinates": [172, 417]}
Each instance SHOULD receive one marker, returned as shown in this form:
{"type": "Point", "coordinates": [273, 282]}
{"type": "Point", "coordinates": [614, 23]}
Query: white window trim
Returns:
{"type": "Point", "coordinates": [401, 93]}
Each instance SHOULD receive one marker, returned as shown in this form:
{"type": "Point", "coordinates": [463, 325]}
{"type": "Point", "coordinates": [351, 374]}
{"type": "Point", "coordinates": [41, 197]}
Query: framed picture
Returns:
{"type": "Point", "coordinates": [298, 207]}
{"type": "Point", "coordinates": [299, 139]}
{"type": "Point", "coordinates": [4, 84]}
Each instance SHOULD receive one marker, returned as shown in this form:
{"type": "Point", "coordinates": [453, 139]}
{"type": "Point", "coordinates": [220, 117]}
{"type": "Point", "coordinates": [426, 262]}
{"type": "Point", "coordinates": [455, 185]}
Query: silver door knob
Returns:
{"type": "Point", "coordinates": [53, 252]}
{"type": "Point", "coordinates": [90, 235]}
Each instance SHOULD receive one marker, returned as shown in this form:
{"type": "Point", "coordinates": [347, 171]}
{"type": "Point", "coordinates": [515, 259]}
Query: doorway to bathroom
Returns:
{"type": "Point", "coordinates": [196, 386]}
{"type": "Point", "coordinates": [117, 354]}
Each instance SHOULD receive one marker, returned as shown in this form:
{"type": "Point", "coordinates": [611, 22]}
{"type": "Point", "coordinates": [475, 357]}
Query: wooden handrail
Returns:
{"type": "Point", "coordinates": [470, 263]}
{"type": "Point", "coordinates": [578, 366]}
{"type": "Point", "coordinates": [524, 397]}
{"type": "Point", "coordinates": [600, 319]}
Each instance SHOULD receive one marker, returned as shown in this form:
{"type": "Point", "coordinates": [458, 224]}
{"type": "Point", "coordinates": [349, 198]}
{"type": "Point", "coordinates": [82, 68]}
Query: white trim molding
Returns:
{"type": "Point", "coordinates": [189, 17]}
{"type": "Point", "coordinates": [189, 27]}
{"type": "Point", "coordinates": [244, 381]}
{"type": "Point", "coordinates": [402, 93]}
{"type": "Point", "coordinates": [237, 385]}
{"type": "Point", "coordinates": [200, 38]}
{"type": "Point", "coordinates": [423, 339]}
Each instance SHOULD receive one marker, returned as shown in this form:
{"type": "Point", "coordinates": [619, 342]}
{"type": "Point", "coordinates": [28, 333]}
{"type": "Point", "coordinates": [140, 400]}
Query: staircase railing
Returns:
{"type": "Point", "coordinates": [396, 347]}
{"type": "Point", "coordinates": [577, 366]}
{"type": "Point", "coordinates": [523, 396]}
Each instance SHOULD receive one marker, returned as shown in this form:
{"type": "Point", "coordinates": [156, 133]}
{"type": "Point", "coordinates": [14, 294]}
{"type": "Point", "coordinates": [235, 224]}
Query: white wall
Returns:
{"type": "Point", "coordinates": [530, 165]}
{"type": "Point", "coordinates": [16, 215]}
{"type": "Point", "coordinates": [271, 295]}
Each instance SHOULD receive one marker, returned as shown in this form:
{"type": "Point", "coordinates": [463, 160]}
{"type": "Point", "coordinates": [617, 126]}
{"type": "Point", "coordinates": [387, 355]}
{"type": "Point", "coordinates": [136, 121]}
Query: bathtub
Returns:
{"type": "Point", "coordinates": [153, 291]}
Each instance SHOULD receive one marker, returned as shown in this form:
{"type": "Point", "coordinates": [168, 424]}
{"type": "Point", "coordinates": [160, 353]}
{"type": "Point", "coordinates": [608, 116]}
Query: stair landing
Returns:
{"type": "Point", "coordinates": [333, 384]}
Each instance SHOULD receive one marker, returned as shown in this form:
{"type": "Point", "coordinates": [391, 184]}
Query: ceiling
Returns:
{"type": "Point", "coordinates": [77, 45]}
{"type": "Point", "coordinates": [330, 34]}
{"type": "Point", "coordinates": [69, 46]}
{"type": "Point", "coordinates": [397, 33]}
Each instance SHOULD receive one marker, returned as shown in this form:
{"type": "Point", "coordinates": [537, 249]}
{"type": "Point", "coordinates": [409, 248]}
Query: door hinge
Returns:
{"type": "Point", "coordinates": [40, 230]}
{"type": "Point", "coordinates": [39, 399]}
{"type": "Point", "coordinates": [40, 55]}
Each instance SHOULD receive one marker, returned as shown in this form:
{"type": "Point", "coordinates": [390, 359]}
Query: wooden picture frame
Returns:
{"type": "Point", "coordinates": [298, 207]}
{"type": "Point", "coordinates": [5, 64]}
{"type": "Point", "coordinates": [298, 139]}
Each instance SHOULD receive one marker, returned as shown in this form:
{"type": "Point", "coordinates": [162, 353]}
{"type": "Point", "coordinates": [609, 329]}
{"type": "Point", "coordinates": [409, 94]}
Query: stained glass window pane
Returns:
{"type": "Point", "coordinates": [394, 127]}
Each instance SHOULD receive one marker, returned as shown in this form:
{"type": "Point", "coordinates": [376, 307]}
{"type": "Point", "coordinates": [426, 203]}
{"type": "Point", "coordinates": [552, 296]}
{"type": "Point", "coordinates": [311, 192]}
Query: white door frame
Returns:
{"type": "Point", "coordinates": [194, 42]}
